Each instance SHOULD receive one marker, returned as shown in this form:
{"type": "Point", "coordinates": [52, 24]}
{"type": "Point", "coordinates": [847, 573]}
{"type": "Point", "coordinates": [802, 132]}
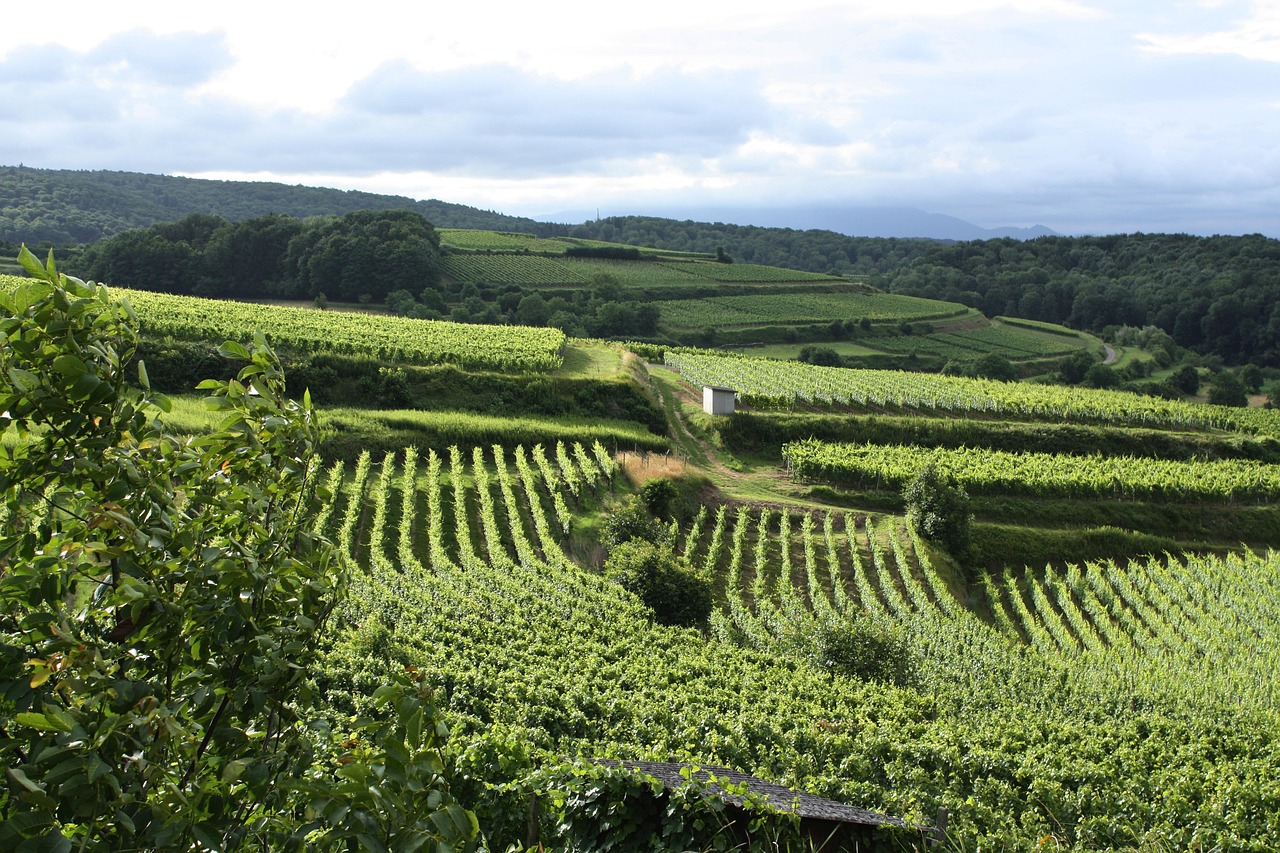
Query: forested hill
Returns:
{"type": "Point", "coordinates": [62, 207]}
{"type": "Point", "coordinates": [811, 250]}
{"type": "Point", "coordinates": [1218, 295]}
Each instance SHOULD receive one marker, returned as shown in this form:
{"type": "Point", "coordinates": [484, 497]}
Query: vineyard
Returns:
{"type": "Point", "coordinates": [469, 571]}
{"type": "Point", "coordinates": [391, 339]}
{"type": "Point", "coordinates": [779, 383]}
{"type": "Point", "coordinates": [984, 471]}
{"type": "Point", "coordinates": [1070, 704]}
{"type": "Point", "coordinates": [730, 311]}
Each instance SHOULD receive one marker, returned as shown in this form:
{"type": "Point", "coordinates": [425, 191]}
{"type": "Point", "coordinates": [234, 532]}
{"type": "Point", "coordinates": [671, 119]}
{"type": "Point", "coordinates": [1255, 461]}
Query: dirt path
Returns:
{"type": "Point", "coordinates": [758, 484]}
{"type": "Point", "coordinates": [1112, 355]}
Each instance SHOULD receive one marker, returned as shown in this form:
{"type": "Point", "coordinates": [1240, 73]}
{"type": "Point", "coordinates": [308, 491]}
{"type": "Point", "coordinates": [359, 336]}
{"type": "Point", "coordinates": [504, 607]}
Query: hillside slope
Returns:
{"type": "Point", "coordinates": [72, 206]}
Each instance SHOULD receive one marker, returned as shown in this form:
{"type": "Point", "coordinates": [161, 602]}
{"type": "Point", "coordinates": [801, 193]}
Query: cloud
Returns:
{"type": "Point", "coordinates": [494, 119]}
{"type": "Point", "coordinates": [1054, 112]}
{"type": "Point", "coordinates": [175, 61]}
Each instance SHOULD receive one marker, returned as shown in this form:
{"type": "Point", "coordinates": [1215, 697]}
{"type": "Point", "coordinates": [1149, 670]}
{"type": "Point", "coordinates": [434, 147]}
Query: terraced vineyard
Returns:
{"type": "Point", "coordinates": [392, 339]}
{"type": "Point", "coordinates": [731, 311]}
{"type": "Point", "coordinates": [984, 471]}
{"type": "Point", "coordinates": [1006, 340]}
{"type": "Point", "coordinates": [1083, 712]}
{"type": "Point", "coordinates": [512, 269]}
{"type": "Point", "coordinates": [771, 383]}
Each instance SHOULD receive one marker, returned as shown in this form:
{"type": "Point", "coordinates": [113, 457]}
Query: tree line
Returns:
{"type": "Point", "coordinates": [361, 256]}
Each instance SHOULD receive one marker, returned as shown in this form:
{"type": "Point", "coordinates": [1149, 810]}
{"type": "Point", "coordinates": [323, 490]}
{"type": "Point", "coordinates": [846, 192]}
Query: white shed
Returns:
{"type": "Point", "coordinates": [717, 400]}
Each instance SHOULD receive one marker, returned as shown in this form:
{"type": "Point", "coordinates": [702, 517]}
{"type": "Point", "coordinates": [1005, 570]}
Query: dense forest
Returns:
{"type": "Point", "coordinates": [1215, 295]}
{"type": "Point", "coordinates": [361, 256]}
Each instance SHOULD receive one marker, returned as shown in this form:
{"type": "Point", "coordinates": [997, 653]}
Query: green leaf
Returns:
{"type": "Point", "coordinates": [22, 780]}
{"type": "Point", "coordinates": [368, 842]}
{"type": "Point", "coordinates": [31, 263]}
{"type": "Point", "coordinates": [41, 722]}
{"type": "Point", "coordinates": [232, 770]}
{"type": "Point", "coordinates": [70, 366]}
{"type": "Point", "coordinates": [232, 349]}
{"type": "Point", "coordinates": [208, 838]}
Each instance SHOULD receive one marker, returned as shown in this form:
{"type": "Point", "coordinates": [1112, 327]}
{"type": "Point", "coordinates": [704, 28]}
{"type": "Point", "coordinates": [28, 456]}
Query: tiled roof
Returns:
{"type": "Point", "coordinates": [780, 797]}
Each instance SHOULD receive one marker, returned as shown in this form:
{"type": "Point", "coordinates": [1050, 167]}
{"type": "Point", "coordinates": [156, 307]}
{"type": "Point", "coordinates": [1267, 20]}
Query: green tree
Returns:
{"type": "Point", "coordinates": [1227, 390]}
{"type": "Point", "coordinates": [158, 597]}
{"type": "Point", "coordinates": [864, 648]}
{"type": "Point", "coordinates": [675, 591]}
{"type": "Point", "coordinates": [938, 507]}
{"type": "Point", "coordinates": [1187, 379]}
{"type": "Point", "coordinates": [825, 356]}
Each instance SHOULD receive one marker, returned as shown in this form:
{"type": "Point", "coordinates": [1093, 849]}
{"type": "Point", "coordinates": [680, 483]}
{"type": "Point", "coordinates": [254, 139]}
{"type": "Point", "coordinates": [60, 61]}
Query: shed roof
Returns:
{"type": "Point", "coordinates": [779, 796]}
{"type": "Point", "coordinates": [721, 388]}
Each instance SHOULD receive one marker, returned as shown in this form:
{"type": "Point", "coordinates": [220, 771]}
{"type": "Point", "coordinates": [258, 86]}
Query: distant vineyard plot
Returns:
{"type": "Point", "coordinates": [730, 311]}
{"type": "Point", "coordinates": [379, 336]}
{"type": "Point", "coordinates": [769, 382]}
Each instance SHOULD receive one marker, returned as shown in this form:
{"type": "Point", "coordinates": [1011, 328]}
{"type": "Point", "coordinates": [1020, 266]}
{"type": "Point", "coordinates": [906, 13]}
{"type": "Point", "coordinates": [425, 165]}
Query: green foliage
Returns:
{"type": "Point", "coordinates": [1227, 390]}
{"type": "Point", "coordinates": [1187, 379]}
{"type": "Point", "coordinates": [821, 355]}
{"type": "Point", "coordinates": [658, 495]}
{"type": "Point", "coordinates": [157, 599]}
{"type": "Point", "coordinates": [676, 592]}
{"type": "Point", "coordinates": [866, 649]}
{"type": "Point", "coordinates": [939, 508]}
{"type": "Point", "coordinates": [363, 255]}
{"type": "Point", "coordinates": [585, 806]}
{"type": "Point", "coordinates": [633, 519]}
{"type": "Point", "coordinates": [1101, 376]}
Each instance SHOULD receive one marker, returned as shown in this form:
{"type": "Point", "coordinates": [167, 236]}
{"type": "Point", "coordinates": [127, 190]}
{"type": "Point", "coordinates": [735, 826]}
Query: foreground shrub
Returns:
{"type": "Point", "coordinates": [676, 592]}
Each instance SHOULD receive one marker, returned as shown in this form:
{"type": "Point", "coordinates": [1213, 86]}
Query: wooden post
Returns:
{"type": "Point", "coordinates": [939, 831]}
{"type": "Point", "coordinates": [532, 835]}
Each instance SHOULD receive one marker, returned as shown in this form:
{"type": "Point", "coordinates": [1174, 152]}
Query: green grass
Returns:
{"type": "Point", "coordinates": [591, 360]}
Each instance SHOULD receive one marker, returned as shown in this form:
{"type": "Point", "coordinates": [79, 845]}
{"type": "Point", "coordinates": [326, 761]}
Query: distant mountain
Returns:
{"type": "Point", "coordinates": [850, 221]}
{"type": "Point", "coordinates": [77, 206]}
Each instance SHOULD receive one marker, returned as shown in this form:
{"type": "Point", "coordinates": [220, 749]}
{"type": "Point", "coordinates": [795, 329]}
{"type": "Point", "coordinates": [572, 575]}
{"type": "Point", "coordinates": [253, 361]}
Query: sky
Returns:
{"type": "Point", "coordinates": [1086, 117]}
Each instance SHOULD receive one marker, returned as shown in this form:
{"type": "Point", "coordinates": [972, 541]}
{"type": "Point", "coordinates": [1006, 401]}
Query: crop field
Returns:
{"type": "Point", "coordinates": [738, 311]}
{"type": "Point", "coordinates": [515, 348]}
{"type": "Point", "coordinates": [471, 240]}
{"type": "Point", "coordinates": [513, 269]}
{"type": "Point", "coordinates": [1011, 342]}
{"type": "Point", "coordinates": [1069, 704]}
{"type": "Point", "coordinates": [1081, 712]}
{"type": "Point", "coordinates": [985, 471]}
{"type": "Point", "coordinates": [503, 241]}
{"type": "Point", "coordinates": [768, 382]}
{"type": "Point", "coordinates": [754, 273]}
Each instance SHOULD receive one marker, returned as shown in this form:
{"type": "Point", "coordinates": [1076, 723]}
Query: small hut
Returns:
{"type": "Point", "coordinates": [717, 400]}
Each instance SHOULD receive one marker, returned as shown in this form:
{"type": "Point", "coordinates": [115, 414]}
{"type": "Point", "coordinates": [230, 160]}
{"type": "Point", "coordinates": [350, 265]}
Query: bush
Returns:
{"type": "Point", "coordinates": [1228, 390]}
{"type": "Point", "coordinates": [658, 495]}
{"type": "Point", "coordinates": [938, 507]}
{"type": "Point", "coordinates": [865, 649]}
{"type": "Point", "coordinates": [632, 520]}
{"type": "Point", "coordinates": [676, 592]}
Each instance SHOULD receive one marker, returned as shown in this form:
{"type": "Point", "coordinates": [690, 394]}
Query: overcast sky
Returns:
{"type": "Point", "coordinates": [1087, 117]}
